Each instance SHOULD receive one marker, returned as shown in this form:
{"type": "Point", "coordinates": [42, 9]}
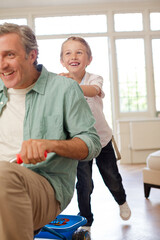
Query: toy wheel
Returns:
{"type": "Point", "coordinates": [81, 234]}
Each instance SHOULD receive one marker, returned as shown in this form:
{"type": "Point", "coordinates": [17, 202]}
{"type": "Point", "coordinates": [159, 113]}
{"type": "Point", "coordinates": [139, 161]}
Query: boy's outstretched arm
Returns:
{"type": "Point", "coordinates": [88, 90]}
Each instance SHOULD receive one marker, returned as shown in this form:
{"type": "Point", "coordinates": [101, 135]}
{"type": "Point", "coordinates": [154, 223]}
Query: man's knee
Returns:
{"type": "Point", "coordinates": [4, 169]}
{"type": "Point", "coordinates": [8, 174]}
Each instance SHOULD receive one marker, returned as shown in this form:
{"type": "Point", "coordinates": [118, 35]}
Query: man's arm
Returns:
{"type": "Point", "coordinates": [33, 150]}
{"type": "Point", "coordinates": [80, 140]}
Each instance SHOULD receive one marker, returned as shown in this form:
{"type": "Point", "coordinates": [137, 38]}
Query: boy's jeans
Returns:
{"type": "Point", "coordinates": [107, 165]}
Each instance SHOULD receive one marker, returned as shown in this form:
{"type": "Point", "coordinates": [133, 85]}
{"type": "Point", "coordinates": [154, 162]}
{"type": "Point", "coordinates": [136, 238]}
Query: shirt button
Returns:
{"type": "Point", "coordinates": [1, 103]}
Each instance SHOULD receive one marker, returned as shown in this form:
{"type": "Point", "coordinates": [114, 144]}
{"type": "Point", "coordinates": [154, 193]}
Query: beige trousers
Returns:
{"type": "Point", "coordinates": [27, 202]}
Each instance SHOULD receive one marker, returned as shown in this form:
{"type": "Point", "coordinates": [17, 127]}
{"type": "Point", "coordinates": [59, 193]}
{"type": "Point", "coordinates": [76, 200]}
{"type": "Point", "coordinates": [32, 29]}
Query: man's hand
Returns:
{"type": "Point", "coordinates": [33, 150]}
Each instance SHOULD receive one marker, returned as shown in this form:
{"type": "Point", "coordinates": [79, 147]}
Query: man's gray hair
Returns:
{"type": "Point", "coordinates": [26, 34]}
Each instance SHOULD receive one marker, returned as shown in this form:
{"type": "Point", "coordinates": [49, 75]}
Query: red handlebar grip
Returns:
{"type": "Point", "coordinates": [19, 159]}
{"type": "Point", "coordinates": [45, 154]}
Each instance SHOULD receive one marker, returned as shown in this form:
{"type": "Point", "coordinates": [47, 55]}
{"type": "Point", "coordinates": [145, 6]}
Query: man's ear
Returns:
{"type": "Point", "coordinates": [33, 55]}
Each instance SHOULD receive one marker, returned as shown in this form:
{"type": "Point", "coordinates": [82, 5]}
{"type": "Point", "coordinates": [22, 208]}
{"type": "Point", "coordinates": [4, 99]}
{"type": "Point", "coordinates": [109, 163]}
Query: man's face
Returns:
{"type": "Point", "coordinates": [15, 64]}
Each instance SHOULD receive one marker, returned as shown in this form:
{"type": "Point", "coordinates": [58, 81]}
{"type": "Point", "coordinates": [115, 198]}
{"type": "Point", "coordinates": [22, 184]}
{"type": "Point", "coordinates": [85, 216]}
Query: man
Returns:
{"type": "Point", "coordinates": [40, 111]}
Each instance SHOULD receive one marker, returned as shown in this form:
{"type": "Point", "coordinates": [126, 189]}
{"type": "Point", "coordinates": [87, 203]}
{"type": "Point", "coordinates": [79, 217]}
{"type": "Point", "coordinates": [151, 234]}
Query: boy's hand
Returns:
{"type": "Point", "coordinates": [66, 75]}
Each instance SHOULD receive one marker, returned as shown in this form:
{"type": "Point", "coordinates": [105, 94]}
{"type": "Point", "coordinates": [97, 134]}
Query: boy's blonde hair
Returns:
{"type": "Point", "coordinates": [78, 39]}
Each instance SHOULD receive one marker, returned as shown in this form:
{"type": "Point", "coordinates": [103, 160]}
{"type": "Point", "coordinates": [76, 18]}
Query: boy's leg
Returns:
{"type": "Point", "coordinates": [84, 190]}
{"type": "Point", "coordinates": [27, 202]}
{"type": "Point", "coordinates": [107, 164]}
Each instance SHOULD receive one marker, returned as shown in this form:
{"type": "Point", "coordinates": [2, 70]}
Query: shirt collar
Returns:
{"type": "Point", "coordinates": [3, 87]}
{"type": "Point", "coordinates": [82, 81]}
{"type": "Point", "coordinates": [42, 80]}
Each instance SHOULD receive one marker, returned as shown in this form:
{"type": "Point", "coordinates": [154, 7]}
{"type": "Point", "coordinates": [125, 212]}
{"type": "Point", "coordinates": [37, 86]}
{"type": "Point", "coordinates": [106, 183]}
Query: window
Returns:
{"type": "Point", "coordinates": [155, 21]}
{"type": "Point", "coordinates": [71, 24]}
{"type": "Point", "coordinates": [49, 54]}
{"type": "Point", "coordinates": [128, 22]}
{"type": "Point", "coordinates": [125, 48]}
{"type": "Point", "coordinates": [131, 75]}
{"type": "Point", "coordinates": [20, 21]}
{"type": "Point", "coordinates": [156, 67]}
{"type": "Point", "coordinates": [129, 51]}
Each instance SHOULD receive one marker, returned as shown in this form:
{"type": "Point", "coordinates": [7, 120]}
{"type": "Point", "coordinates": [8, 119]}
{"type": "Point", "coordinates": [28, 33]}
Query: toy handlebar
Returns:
{"type": "Point", "coordinates": [19, 159]}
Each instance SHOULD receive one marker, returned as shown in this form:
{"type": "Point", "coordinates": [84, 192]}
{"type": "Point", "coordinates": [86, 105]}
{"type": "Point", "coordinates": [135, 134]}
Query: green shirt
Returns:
{"type": "Point", "coordinates": [55, 108]}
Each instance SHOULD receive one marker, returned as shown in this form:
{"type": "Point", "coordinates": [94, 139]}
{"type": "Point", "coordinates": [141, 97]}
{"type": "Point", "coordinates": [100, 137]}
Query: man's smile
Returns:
{"type": "Point", "coordinates": [8, 73]}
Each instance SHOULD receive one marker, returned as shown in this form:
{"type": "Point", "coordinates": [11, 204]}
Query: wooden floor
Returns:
{"type": "Point", "coordinates": [144, 223]}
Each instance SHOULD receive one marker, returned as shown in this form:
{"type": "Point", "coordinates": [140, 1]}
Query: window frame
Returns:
{"type": "Point", "coordinates": [109, 10]}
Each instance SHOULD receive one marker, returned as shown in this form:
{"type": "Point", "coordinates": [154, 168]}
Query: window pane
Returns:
{"type": "Point", "coordinates": [49, 55]}
{"type": "Point", "coordinates": [100, 66]}
{"type": "Point", "coordinates": [156, 61]}
{"type": "Point", "coordinates": [155, 21]}
{"type": "Point", "coordinates": [131, 75]}
{"type": "Point", "coordinates": [128, 22]}
{"type": "Point", "coordinates": [71, 24]}
{"type": "Point", "coordinates": [20, 21]}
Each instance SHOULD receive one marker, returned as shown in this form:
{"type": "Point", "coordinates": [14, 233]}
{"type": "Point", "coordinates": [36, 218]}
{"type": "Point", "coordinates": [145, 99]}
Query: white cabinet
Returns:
{"type": "Point", "coordinates": [138, 138]}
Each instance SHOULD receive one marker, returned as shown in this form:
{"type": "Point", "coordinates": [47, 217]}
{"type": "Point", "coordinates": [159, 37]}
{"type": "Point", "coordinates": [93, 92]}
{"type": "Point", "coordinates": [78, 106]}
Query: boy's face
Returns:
{"type": "Point", "coordinates": [75, 58]}
{"type": "Point", "coordinates": [15, 64]}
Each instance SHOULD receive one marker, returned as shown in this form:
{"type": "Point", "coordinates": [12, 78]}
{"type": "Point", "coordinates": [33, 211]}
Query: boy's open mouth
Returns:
{"type": "Point", "coordinates": [74, 64]}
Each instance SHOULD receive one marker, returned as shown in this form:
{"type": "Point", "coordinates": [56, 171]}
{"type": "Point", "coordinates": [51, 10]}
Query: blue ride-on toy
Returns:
{"type": "Point", "coordinates": [65, 227]}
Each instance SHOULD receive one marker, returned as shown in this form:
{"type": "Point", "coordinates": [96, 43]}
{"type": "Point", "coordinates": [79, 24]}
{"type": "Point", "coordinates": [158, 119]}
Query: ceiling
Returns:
{"type": "Point", "coordinates": [41, 3]}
